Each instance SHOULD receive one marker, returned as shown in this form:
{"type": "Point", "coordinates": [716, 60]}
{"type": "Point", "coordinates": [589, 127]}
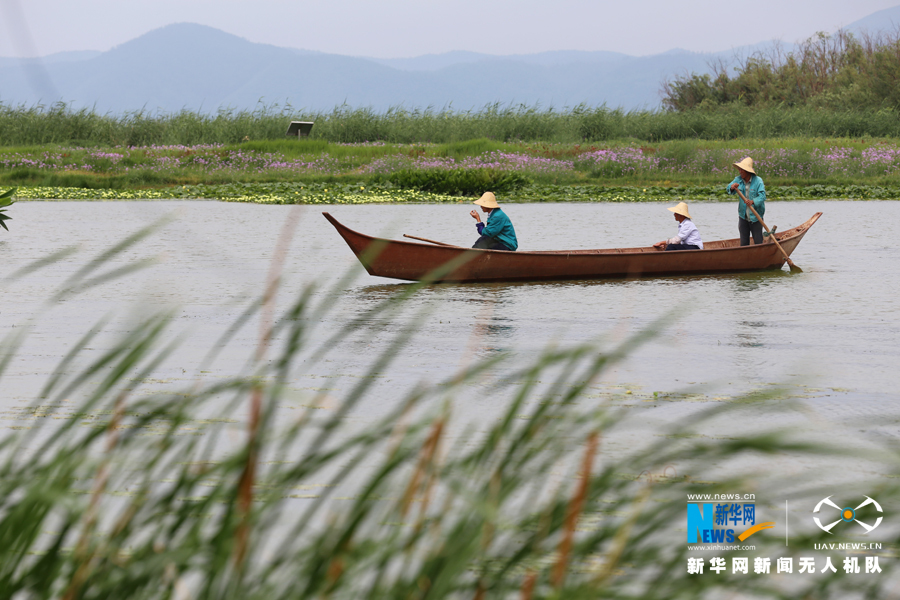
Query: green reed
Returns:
{"type": "Point", "coordinates": [60, 124]}
{"type": "Point", "coordinates": [5, 202]}
{"type": "Point", "coordinates": [114, 499]}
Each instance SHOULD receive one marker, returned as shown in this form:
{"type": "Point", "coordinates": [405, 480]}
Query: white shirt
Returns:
{"type": "Point", "coordinates": [687, 234]}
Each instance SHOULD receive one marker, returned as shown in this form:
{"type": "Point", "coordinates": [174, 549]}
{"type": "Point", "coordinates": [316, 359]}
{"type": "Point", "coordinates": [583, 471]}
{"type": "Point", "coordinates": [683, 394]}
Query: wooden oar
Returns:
{"type": "Point", "coordinates": [412, 237]}
{"type": "Point", "coordinates": [772, 235]}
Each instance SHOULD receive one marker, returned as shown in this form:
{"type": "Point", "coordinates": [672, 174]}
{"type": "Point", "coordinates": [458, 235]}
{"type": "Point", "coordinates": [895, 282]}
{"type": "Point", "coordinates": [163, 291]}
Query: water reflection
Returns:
{"type": "Point", "coordinates": [748, 282]}
{"type": "Point", "coordinates": [458, 292]}
{"type": "Point", "coordinates": [493, 327]}
{"type": "Point", "coordinates": [488, 316]}
{"type": "Point", "coordinates": [485, 314]}
{"type": "Point", "coordinates": [749, 334]}
{"type": "Point", "coordinates": [378, 293]}
{"type": "Point", "coordinates": [495, 334]}
{"type": "Point", "coordinates": [744, 302]}
{"type": "Point", "coordinates": [740, 281]}
{"type": "Point", "coordinates": [754, 279]}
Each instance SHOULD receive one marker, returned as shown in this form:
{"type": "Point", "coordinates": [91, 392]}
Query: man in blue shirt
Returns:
{"type": "Point", "coordinates": [498, 232]}
{"type": "Point", "coordinates": [751, 185]}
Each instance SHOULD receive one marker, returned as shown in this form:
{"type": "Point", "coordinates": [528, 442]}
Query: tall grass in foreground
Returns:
{"type": "Point", "coordinates": [60, 124]}
{"type": "Point", "coordinates": [527, 505]}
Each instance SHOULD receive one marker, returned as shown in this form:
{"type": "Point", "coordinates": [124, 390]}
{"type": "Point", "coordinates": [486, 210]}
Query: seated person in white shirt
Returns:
{"type": "Point", "coordinates": [688, 237]}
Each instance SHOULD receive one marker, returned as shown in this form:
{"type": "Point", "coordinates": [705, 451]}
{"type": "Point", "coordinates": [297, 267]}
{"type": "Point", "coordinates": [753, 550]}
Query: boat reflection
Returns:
{"type": "Point", "coordinates": [489, 317]}
{"type": "Point", "coordinates": [747, 281]}
{"type": "Point", "coordinates": [479, 313]}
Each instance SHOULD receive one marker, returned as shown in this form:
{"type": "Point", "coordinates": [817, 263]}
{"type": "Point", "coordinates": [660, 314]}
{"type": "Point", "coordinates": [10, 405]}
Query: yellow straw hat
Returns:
{"type": "Point", "coordinates": [487, 200]}
{"type": "Point", "coordinates": [746, 164]}
{"type": "Point", "coordinates": [681, 209]}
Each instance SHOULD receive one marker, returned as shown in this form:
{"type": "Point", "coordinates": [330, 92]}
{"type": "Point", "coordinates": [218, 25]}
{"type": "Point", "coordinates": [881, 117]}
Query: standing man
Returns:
{"type": "Point", "coordinates": [498, 232]}
{"type": "Point", "coordinates": [751, 185]}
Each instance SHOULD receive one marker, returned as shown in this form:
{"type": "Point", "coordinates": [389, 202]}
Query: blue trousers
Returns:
{"type": "Point", "coordinates": [489, 243]}
{"type": "Point", "coordinates": [682, 247]}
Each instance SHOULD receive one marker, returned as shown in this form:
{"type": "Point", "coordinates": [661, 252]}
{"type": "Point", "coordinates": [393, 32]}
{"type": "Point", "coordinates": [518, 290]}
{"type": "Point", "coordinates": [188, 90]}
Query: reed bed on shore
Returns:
{"type": "Point", "coordinates": [61, 124]}
{"type": "Point", "coordinates": [110, 492]}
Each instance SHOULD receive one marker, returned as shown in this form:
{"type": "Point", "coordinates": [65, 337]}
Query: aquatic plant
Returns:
{"type": "Point", "coordinates": [5, 202]}
{"type": "Point", "coordinates": [375, 193]}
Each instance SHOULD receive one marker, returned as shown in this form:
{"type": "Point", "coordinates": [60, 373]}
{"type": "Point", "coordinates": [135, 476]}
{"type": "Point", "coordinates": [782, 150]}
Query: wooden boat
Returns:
{"type": "Point", "coordinates": [414, 261]}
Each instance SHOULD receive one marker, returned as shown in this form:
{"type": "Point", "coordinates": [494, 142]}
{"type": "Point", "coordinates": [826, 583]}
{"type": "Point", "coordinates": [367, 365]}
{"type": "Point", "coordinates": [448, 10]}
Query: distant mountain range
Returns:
{"type": "Point", "coordinates": [194, 67]}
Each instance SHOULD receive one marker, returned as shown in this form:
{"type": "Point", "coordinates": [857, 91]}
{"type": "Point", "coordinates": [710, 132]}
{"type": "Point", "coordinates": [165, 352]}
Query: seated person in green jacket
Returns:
{"type": "Point", "coordinates": [498, 232]}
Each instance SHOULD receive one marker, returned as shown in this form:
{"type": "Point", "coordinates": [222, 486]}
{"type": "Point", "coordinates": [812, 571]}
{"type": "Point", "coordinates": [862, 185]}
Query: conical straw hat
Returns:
{"type": "Point", "coordinates": [746, 164]}
{"type": "Point", "coordinates": [487, 200]}
{"type": "Point", "coordinates": [681, 209]}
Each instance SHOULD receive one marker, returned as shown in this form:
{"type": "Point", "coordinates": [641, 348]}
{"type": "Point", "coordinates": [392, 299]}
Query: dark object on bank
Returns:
{"type": "Point", "coordinates": [417, 262]}
{"type": "Point", "coordinates": [299, 129]}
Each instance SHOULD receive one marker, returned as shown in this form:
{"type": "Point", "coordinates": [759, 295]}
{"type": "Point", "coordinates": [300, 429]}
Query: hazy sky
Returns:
{"type": "Point", "coordinates": [404, 28]}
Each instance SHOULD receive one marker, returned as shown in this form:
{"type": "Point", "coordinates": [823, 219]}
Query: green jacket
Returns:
{"type": "Point", "coordinates": [754, 191]}
{"type": "Point", "coordinates": [500, 228]}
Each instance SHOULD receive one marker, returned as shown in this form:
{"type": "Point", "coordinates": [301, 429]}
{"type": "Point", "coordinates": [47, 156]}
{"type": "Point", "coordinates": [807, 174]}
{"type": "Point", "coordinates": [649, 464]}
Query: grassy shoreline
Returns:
{"type": "Point", "coordinates": [319, 194]}
{"type": "Point", "coordinates": [316, 171]}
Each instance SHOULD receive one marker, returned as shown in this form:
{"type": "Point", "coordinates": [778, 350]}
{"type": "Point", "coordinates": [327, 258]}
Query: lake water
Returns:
{"type": "Point", "coordinates": [825, 339]}
{"type": "Point", "coordinates": [828, 335]}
